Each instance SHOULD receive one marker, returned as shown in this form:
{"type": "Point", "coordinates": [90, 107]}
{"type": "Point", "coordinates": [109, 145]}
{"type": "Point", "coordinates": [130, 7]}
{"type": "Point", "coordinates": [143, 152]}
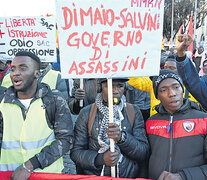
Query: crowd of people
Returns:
{"type": "Point", "coordinates": [159, 123]}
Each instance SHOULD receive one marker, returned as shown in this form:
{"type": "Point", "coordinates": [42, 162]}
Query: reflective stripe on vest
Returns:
{"type": "Point", "coordinates": [51, 78]}
{"type": "Point", "coordinates": [9, 167]}
{"type": "Point", "coordinates": [22, 139]}
{"type": "Point", "coordinates": [6, 82]}
{"type": "Point", "coordinates": [27, 145]}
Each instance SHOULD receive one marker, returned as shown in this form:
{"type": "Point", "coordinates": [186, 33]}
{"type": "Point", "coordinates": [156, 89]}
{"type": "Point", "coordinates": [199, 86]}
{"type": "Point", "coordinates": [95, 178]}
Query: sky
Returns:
{"type": "Point", "coordinates": [26, 7]}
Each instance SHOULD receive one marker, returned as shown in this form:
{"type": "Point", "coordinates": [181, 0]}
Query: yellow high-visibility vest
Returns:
{"type": "Point", "coordinates": [51, 78]}
{"type": "Point", "coordinates": [6, 82]}
{"type": "Point", "coordinates": [24, 138]}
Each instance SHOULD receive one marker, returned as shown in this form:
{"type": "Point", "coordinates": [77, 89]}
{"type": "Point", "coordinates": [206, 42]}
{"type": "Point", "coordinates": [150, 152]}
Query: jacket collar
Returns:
{"type": "Point", "coordinates": [11, 93]}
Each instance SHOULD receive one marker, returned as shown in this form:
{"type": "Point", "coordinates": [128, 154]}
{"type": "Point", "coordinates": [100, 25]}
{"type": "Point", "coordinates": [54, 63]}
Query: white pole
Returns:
{"type": "Point", "coordinates": [110, 102]}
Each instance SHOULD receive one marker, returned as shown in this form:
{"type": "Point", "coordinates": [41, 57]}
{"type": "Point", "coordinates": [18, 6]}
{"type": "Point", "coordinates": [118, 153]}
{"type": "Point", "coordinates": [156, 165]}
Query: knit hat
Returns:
{"type": "Point", "coordinates": [164, 74]}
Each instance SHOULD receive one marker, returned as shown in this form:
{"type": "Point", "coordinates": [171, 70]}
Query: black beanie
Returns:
{"type": "Point", "coordinates": [164, 74]}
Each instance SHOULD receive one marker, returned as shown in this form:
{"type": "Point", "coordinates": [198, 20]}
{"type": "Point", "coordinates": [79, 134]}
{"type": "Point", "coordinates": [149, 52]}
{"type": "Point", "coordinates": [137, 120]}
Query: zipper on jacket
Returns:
{"type": "Point", "coordinates": [171, 139]}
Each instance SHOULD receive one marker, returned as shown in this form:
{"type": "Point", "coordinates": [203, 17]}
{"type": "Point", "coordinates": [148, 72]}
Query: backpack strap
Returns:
{"type": "Point", "coordinates": [130, 113]}
{"type": "Point", "coordinates": [92, 115]}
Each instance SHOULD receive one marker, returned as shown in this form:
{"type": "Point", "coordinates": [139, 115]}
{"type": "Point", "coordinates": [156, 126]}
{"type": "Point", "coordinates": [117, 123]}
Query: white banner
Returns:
{"type": "Point", "coordinates": [35, 34]}
{"type": "Point", "coordinates": [109, 38]}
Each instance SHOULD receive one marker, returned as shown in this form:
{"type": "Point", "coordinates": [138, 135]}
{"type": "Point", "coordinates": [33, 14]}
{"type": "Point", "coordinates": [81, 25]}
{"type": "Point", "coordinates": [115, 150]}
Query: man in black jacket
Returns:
{"type": "Point", "coordinates": [91, 151]}
{"type": "Point", "coordinates": [177, 133]}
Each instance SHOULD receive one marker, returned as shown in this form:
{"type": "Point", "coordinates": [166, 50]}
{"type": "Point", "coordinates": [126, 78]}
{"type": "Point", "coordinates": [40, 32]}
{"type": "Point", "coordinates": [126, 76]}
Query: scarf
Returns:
{"type": "Point", "coordinates": [103, 139]}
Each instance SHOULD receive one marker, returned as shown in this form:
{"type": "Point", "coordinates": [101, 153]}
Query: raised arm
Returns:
{"type": "Point", "coordinates": [194, 84]}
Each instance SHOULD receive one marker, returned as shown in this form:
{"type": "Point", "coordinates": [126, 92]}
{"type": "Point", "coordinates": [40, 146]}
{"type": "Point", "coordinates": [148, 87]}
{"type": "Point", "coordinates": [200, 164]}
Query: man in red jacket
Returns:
{"type": "Point", "coordinates": [177, 133]}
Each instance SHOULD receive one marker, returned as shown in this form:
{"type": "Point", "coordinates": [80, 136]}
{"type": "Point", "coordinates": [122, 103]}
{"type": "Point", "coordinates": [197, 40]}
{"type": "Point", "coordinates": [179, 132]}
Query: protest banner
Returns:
{"type": "Point", "coordinates": [6, 175]}
{"type": "Point", "coordinates": [109, 38]}
{"type": "Point", "coordinates": [34, 34]}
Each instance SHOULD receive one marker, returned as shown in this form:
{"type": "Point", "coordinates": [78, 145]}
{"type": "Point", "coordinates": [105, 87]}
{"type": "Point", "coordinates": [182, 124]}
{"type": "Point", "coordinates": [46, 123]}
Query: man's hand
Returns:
{"type": "Point", "coordinates": [114, 132]}
{"type": "Point", "coordinates": [79, 94]}
{"type": "Point", "coordinates": [21, 173]}
{"type": "Point", "coordinates": [111, 158]}
{"type": "Point", "coordinates": [169, 176]}
{"type": "Point", "coordinates": [184, 40]}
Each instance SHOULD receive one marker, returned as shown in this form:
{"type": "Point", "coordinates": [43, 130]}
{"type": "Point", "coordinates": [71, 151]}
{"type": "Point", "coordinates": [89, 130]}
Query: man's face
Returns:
{"type": "Point", "coordinates": [200, 50]}
{"type": "Point", "coordinates": [170, 93]}
{"type": "Point", "coordinates": [23, 73]}
{"type": "Point", "coordinates": [44, 65]}
{"type": "Point", "coordinates": [118, 88]}
{"type": "Point", "coordinates": [171, 65]}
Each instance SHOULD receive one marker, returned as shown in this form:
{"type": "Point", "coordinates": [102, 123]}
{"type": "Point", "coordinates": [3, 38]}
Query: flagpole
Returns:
{"type": "Point", "coordinates": [172, 42]}
{"type": "Point", "coordinates": [195, 15]}
{"type": "Point", "coordinates": [194, 27]}
{"type": "Point", "coordinates": [190, 31]}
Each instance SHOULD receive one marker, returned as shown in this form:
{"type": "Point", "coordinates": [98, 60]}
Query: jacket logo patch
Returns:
{"type": "Point", "coordinates": [188, 125]}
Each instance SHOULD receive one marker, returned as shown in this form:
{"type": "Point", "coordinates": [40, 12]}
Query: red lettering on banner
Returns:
{"type": "Point", "coordinates": [18, 34]}
{"type": "Point", "coordinates": [135, 20]}
{"type": "Point", "coordinates": [19, 22]}
{"type": "Point", "coordinates": [134, 63]}
{"type": "Point", "coordinates": [88, 13]}
{"type": "Point", "coordinates": [107, 67]}
{"type": "Point", "coordinates": [151, 24]}
{"type": "Point", "coordinates": [97, 50]}
{"type": "Point", "coordinates": [104, 38]}
{"type": "Point", "coordinates": [84, 39]}
{"type": "Point", "coordinates": [123, 17]}
{"type": "Point", "coordinates": [73, 68]}
{"type": "Point", "coordinates": [91, 68]}
{"type": "Point", "coordinates": [97, 17]}
{"type": "Point", "coordinates": [142, 25]}
{"type": "Point", "coordinates": [109, 17]}
{"type": "Point", "coordinates": [76, 40]}
{"type": "Point", "coordinates": [75, 16]}
{"type": "Point", "coordinates": [114, 66]}
{"type": "Point", "coordinates": [129, 28]}
{"type": "Point", "coordinates": [146, 3]}
{"type": "Point", "coordinates": [118, 38]}
{"type": "Point", "coordinates": [87, 39]}
{"type": "Point", "coordinates": [99, 67]}
{"type": "Point", "coordinates": [66, 10]}
{"type": "Point", "coordinates": [143, 61]}
{"type": "Point", "coordinates": [82, 68]}
{"type": "Point", "coordinates": [125, 64]}
{"type": "Point", "coordinates": [104, 17]}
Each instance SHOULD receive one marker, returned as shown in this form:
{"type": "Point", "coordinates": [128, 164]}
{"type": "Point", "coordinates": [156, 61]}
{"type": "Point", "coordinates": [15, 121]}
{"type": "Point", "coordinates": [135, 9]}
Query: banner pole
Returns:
{"type": "Point", "coordinates": [81, 87]}
{"type": "Point", "coordinates": [110, 103]}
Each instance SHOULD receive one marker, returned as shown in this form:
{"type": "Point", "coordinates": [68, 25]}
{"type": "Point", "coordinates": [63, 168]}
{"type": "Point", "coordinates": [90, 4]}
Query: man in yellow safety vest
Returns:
{"type": "Point", "coordinates": [37, 126]}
